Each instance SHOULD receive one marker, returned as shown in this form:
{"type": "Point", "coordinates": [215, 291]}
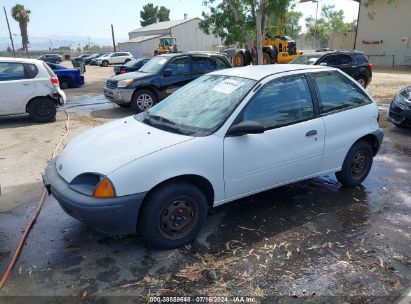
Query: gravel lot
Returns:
{"type": "Point", "coordinates": [307, 239]}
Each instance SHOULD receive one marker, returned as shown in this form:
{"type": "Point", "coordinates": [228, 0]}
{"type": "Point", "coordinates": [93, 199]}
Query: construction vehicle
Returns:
{"type": "Point", "coordinates": [276, 49]}
{"type": "Point", "coordinates": [167, 45]}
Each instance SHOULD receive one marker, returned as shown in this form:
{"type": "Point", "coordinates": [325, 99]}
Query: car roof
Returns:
{"type": "Point", "coordinates": [321, 53]}
{"type": "Point", "coordinates": [203, 53]}
{"type": "Point", "coordinates": [258, 72]}
{"type": "Point", "coordinates": [25, 60]}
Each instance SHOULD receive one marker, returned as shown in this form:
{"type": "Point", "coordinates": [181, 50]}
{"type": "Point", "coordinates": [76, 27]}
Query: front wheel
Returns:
{"type": "Point", "coordinates": [173, 215]}
{"type": "Point", "coordinates": [143, 100]}
{"type": "Point", "coordinates": [238, 60]}
{"type": "Point", "coordinates": [104, 63]}
{"type": "Point", "coordinates": [42, 110]}
{"type": "Point", "coordinates": [357, 165]}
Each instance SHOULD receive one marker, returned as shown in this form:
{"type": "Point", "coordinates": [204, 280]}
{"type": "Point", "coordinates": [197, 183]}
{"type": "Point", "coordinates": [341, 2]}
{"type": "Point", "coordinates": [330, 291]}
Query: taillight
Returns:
{"type": "Point", "coordinates": [122, 72]}
{"type": "Point", "coordinates": [371, 66]}
{"type": "Point", "coordinates": [54, 80]}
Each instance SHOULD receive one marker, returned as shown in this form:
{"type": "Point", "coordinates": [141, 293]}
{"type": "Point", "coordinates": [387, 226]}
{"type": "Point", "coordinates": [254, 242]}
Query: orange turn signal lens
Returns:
{"type": "Point", "coordinates": [104, 189]}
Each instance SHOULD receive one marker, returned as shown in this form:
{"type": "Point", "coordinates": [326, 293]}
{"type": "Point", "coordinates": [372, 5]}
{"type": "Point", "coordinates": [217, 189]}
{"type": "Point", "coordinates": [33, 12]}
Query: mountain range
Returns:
{"type": "Point", "coordinates": [44, 42]}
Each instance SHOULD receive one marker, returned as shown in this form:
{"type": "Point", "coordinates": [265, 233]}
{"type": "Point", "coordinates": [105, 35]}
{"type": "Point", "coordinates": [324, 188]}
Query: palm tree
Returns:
{"type": "Point", "coordinates": [22, 16]}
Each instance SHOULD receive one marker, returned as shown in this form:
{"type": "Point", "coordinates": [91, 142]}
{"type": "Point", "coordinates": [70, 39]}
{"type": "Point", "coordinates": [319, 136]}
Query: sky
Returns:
{"type": "Point", "coordinates": [92, 18]}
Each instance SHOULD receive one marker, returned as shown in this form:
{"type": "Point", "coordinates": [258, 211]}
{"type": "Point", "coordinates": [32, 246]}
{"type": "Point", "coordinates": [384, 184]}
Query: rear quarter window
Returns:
{"type": "Point", "coordinates": [32, 70]}
{"type": "Point", "coordinates": [49, 71]}
{"type": "Point", "coordinates": [361, 58]}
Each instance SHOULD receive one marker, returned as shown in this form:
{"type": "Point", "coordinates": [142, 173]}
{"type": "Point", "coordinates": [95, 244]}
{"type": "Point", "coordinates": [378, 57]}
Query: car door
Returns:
{"type": "Point", "coordinates": [16, 87]}
{"type": "Point", "coordinates": [180, 74]}
{"type": "Point", "coordinates": [291, 147]}
{"type": "Point", "coordinates": [201, 65]}
{"type": "Point", "coordinates": [343, 106]}
{"type": "Point", "coordinates": [347, 64]}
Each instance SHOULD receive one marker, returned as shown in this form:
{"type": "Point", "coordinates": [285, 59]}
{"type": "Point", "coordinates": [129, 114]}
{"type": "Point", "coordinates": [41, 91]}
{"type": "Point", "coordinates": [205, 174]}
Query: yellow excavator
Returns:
{"type": "Point", "coordinates": [276, 49]}
{"type": "Point", "coordinates": [167, 45]}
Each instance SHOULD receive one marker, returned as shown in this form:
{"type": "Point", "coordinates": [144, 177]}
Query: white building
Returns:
{"type": "Point", "coordinates": [384, 32]}
{"type": "Point", "coordinates": [143, 41]}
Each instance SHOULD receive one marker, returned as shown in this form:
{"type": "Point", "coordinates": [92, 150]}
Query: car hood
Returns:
{"type": "Point", "coordinates": [132, 75]}
{"type": "Point", "coordinates": [113, 145]}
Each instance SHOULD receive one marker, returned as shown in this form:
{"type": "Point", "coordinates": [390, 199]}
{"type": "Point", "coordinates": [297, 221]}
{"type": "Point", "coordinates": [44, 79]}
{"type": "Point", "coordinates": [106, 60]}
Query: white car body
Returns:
{"type": "Point", "coordinates": [137, 157]}
{"type": "Point", "coordinates": [115, 58]}
{"type": "Point", "coordinates": [16, 94]}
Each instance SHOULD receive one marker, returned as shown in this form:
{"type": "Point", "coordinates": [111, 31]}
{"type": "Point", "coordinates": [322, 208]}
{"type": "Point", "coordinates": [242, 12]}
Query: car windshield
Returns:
{"type": "Point", "coordinates": [200, 107]}
{"type": "Point", "coordinates": [154, 65]}
{"type": "Point", "coordinates": [306, 59]}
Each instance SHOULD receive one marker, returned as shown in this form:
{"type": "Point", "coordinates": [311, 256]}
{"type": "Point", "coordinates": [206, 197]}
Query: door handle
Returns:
{"type": "Point", "coordinates": [25, 84]}
{"type": "Point", "coordinates": [311, 133]}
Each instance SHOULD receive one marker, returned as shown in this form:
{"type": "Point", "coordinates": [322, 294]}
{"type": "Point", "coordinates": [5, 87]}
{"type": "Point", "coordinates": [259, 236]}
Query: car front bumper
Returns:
{"type": "Point", "coordinates": [400, 115]}
{"type": "Point", "coordinates": [114, 216]}
{"type": "Point", "coordinates": [119, 96]}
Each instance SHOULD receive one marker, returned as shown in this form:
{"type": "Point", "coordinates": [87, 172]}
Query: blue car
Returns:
{"type": "Point", "coordinates": [68, 77]}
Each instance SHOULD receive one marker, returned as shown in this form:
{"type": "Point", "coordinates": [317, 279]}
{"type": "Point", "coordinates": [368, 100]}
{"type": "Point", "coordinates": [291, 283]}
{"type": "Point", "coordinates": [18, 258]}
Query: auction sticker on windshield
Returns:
{"type": "Point", "coordinates": [227, 86]}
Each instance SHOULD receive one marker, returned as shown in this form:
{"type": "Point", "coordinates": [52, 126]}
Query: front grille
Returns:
{"type": "Point", "coordinates": [110, 84]}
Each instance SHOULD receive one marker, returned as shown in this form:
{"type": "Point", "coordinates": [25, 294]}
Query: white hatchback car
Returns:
{"type": "Point", "coordinates": [29, 86]}
{"type": "Point", "coordinates": [226, 135]}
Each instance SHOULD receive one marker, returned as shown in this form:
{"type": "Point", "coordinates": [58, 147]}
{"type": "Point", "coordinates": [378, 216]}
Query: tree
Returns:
{"type": "Point", "coordinates": [331, 21]}
{"type": "Point", "coordinates": [239, 20]}
{"type": "Point", "coordinates": [163, 14]}
{"type": "Point", "coordinates": [22, 16]}
{"type": "Point", "coordinates": [94, 48]}
{"type": "Point", "coordinates": [151, 13]}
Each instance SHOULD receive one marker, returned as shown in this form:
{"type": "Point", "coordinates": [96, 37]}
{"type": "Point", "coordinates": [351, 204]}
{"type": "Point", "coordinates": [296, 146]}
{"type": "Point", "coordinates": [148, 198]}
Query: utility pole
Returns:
{"type": "Point", "coordinates": [11, 37]}
{"type": "Point", "coordinates": [316, 19]}
{"type": "Point", "coordinates": [112, 35]}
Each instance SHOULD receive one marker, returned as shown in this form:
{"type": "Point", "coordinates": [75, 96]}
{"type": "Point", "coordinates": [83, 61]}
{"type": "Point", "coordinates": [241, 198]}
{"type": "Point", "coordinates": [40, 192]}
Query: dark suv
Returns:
{"type": "Point", "coordinates": [53, 58]}
{"type": "Point", "coordinates": [352, 63]}
{"type": "Point", "coordinates": [159, 77]}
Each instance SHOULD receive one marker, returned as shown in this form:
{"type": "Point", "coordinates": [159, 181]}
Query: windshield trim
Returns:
{"type": "Point", "coordinates": [196, 132]}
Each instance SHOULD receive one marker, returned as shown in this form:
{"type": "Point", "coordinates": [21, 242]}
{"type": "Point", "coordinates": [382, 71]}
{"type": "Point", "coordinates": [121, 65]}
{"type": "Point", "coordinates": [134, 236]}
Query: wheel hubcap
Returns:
{"type": "Point", "coordinates": [359, 165]}
{"type": "Point", "coordinates": [43, 110]}
{"type": "Point", "coordinates": [144, 102]}
{"type": "Point", "coordinates": [178, 218]}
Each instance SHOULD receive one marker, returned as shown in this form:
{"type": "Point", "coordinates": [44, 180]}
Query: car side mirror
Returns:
{"type": "Point", "coordinates": [167, 73]}
{"type": "Point", "coordinates": [246, 127]}
{"type": "Point", "coordinates": [323, 64]}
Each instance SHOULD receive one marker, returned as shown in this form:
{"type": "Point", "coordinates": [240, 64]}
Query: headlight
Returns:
{"type": "Point", "coordinates": [92, 184]}
{"type": "Point", "coordinates": [124, 83]}
{"type": "Point", "coordinates": [402, 100]}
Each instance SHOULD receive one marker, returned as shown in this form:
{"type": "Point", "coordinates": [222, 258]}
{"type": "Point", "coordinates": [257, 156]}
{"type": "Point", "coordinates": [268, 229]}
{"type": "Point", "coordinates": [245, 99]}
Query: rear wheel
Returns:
{"type": "Point", "coordinates": [362, 81]}
{"type": "Point", "coordinates": [357, 165]}
{"type": "Point", "coordinates": [238, 59]}
{"type": "Point", "coordinates": [65, 83]}
{"type": "Point", "coordinates": [143, 100]}
{"type": "Point", "coordinates": [173, 215]}
{"type": "Point", "coordinates": [42, 110]}
{"type": "Point", "coordinates": [266, 58]}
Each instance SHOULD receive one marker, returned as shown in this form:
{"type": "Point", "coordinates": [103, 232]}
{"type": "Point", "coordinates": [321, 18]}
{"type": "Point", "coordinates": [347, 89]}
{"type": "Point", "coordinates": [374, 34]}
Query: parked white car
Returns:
{"type": "Point", "coordinates": [226, 135]}
{"type": "Point", "coordinates": [114, 58]}
{"type": "Point", "coordinates": [29, 86]}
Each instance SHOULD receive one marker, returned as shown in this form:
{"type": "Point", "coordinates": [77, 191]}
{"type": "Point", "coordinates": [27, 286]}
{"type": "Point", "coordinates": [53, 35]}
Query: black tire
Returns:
{"type": "Point", "coordinates": [156, 53]}
{"type": "Point", "coordinates": [362, 81]}
{"type": "Point", "coordinates": [105, 63]}
{"type": "Point", "coordinates": [124, 105]}
{"type": "Point", "coordinates": [42, 110]}
{"type": "Point", "coordinates": [266, 58]}
{"type": "Point", "coordinates": [140, 101]}
{"type": "Point", "coordinates": [173, 215]}
{"type": "Point", "coordinates": [357, 164]}
{"type": "Point", "coordinates": [127, 60]}
{"type": "Point", "coordinates": [65, 83]}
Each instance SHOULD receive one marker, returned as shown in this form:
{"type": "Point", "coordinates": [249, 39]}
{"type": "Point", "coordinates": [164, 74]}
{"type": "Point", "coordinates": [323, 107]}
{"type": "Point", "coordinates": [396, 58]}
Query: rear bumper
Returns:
{"type": "Point", "coordinates": [119, 96]}
{"type": "Point", "coordinates": [116, 216]}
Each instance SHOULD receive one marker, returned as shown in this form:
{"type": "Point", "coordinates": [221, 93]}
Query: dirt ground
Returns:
{"type": "Point", "coordinates": [307, 239]}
